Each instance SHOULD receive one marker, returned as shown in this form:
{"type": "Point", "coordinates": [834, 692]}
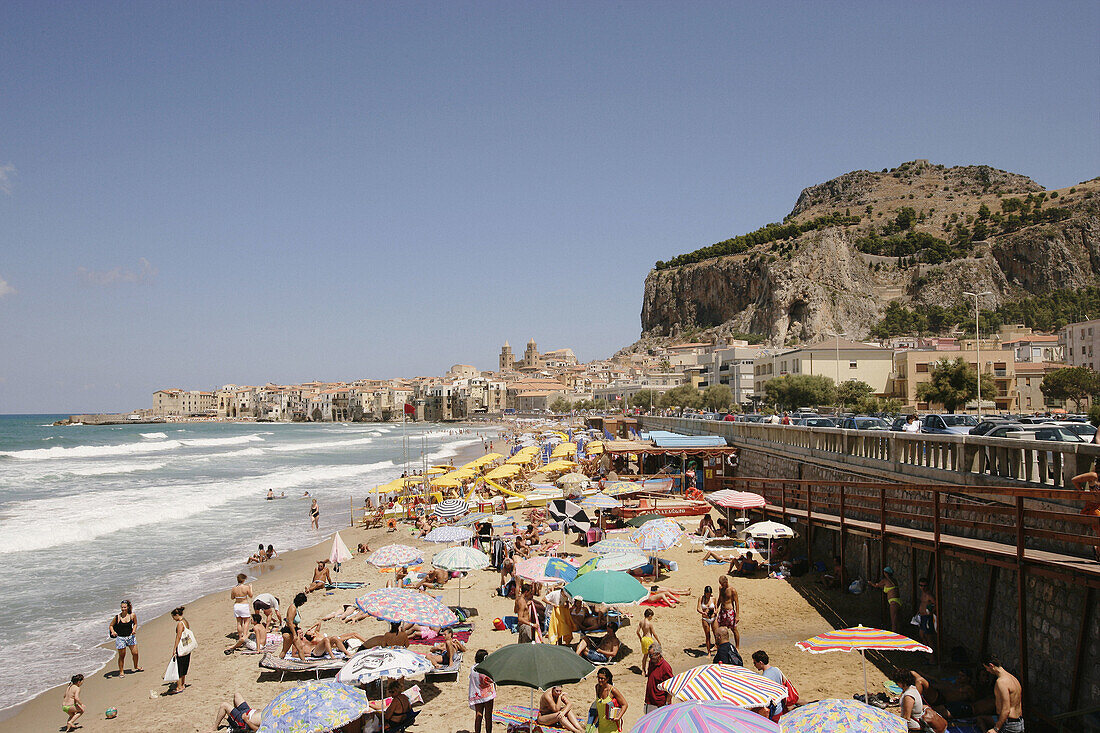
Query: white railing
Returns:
{"type": "Point", "coordinates": [970, 459]}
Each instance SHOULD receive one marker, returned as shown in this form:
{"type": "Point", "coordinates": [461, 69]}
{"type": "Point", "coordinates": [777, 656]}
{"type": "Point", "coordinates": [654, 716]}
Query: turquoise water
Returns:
{"type": "Point", "coordinates": [161, 514]}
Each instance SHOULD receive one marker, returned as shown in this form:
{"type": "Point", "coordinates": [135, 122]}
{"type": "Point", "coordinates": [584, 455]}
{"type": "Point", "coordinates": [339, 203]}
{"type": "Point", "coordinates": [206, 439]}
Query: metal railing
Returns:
{"type": "Point", "coordinates": [960, 459]}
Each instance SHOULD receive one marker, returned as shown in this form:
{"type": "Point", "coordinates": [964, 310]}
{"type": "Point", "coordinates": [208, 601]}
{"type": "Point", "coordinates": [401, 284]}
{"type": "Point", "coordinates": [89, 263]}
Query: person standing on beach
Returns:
{"type": "Point", "coordinates": [241, 596]}
{"type": "Point", "coordinates": [314, 514]}
{"type": "Point", "coordinates": [525, 615]}
{"type": "Point", "coordinates": [483, 691]}
{"type": "Point", "coordinates": [122, 630]}
{"type": "Point", "coordinates": [1009, 696]}
{"type": "Point", "coordinates": [729, 607]}
{"type": "Point", "coordinates": [183, 661]}
{"type": "Point", "coordinates": [70, 702]}
{"type": "Point", "coordinates": [889, 587]}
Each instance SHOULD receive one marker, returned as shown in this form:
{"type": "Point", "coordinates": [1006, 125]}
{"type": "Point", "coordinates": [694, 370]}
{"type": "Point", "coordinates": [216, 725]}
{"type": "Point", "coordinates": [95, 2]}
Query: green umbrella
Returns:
{"type": "Point", "coordinates": [538, 666]}
{"type": "Point", "coordinates": [642, 519]}
{"type": "Point", "coordinates": [607, 586]}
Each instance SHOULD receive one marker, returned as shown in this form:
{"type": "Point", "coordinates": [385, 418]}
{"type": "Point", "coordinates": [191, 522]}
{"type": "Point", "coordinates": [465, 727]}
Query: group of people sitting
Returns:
{"type": "Point", "coordinates": [262, 555]}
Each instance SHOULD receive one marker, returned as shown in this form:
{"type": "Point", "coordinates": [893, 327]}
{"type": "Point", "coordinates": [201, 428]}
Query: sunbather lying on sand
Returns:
{"type": "Point", "coordinates": [441, 655]}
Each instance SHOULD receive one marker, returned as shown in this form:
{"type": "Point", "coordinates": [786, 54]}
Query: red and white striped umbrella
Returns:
{"type": "Point", "coordinates": [730, 499]}
{"type": "Point", "coordinates": [728, 682]}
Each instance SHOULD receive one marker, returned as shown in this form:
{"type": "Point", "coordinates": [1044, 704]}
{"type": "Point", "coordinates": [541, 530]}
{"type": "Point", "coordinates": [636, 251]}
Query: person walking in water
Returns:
{"type": "Point", "coordinates": [314, 514]}
{"type": "Point", "coordinates": [889, 585]}
{"type": "Point", "coordinates": [122, 631]}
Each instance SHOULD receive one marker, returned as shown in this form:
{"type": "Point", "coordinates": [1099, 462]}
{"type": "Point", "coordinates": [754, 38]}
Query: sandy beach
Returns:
{"type": "Point", "coordinates": [774, 617]}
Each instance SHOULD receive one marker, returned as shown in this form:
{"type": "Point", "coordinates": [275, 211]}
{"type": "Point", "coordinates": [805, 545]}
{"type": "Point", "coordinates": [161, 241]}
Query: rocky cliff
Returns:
{"type": "Point", "coordinates": [919, 233]}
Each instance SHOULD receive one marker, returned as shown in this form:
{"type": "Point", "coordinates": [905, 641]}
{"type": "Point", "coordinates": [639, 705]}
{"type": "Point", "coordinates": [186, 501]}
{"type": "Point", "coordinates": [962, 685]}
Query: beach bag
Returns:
{"type": "Point", "coordinates": [188, 643]}
{"type": "Point", "coordinates": [172, 674]}
{"type": "Point", "coordinates": [792, 693]}
{"type": "Point", "coordinates": [934, 720]}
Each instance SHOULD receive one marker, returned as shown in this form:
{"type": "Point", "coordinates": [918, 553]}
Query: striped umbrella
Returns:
{"type": "Point", "coordinates": [618, 488]}
{"type": "Point", "coordinates": [546, 570]}
{"type": "Point", "coordinates": [729, 682]}
{"type": "Point", "coordinates": [451, 508]}
{"type": "Point", "coordinates": [657, 535]}
{"type": "Point", "coordinates": [600, 501]}
{"type": "Point", "coordinates": [710, 716]}
{"type": "Point", "coordinates": [471, 519]}
{"type": "Point", "coordinates": [449, 534]}
{"type": "Point", "coordinates": [403, 605]}
{"type": "Point", "coordinates": [392, 556]}
{"type": "Point", "coordinates": [841, 716]}
{"type": "Point", "coordinates": [860, 639]}
{"type": "Point", "coordinates": [730, 499]}
{"type": "Point", "coordinates": [463, 559]}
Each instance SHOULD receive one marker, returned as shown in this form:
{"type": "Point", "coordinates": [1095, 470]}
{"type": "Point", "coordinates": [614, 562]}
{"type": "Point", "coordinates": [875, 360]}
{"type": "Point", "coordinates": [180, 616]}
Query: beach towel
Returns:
{"type": "Point", "coordinates": [518, 717]}
{"type": "Point", "coordinates": [344, 586]}
{"type": "Point", "coordinates": [462, 636]}
{"type": "Point", "coordinates": [659, 604]}
{"type": "Point", "coordinates": [712, 561]}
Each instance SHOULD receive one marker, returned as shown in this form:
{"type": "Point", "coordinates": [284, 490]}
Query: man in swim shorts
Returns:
{"type": "Point", "coordinates": [728, 606]}
{"type": "Point", "coordinates": [239, 713]}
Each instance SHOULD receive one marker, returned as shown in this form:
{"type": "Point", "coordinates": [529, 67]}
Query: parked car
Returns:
{"type": "Point", "coordinates": [816, 422]}
{"type": "Point", "coordinates": [1046, 432]}
{"type": "Point", "coordinates": [988, 423]}
{"type": "Point", "coordinates": [1085, 430]}
{"type": "Point", "coordinates": [863, 422]}
{"type": "Point", "coordinates": [948, 424]}
{"type": "Point", "coordinates": [751, 417]}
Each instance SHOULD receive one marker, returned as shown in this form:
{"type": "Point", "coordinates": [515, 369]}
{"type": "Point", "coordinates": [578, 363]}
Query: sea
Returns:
{"type": "Point", "coordinates": [162, 514]}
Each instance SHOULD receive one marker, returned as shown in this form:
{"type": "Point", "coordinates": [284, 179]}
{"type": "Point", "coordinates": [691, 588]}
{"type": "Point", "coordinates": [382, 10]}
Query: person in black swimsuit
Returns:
{"type": "Point", "coordinates": [122, 631]}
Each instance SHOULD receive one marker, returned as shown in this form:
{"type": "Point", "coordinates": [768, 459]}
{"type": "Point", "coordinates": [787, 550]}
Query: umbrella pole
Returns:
{"type": "Point", "coordinates": [866, 696]}
{"type": "Point", "coordinates": [531, 721]}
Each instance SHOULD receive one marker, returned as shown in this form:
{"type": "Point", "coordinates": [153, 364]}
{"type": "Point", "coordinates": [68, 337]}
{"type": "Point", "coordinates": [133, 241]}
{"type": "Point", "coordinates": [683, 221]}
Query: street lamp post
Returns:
{"type": "Point", "coordinates": [978, 345]}
{"type": "Point", "coordinates": [837, 335]}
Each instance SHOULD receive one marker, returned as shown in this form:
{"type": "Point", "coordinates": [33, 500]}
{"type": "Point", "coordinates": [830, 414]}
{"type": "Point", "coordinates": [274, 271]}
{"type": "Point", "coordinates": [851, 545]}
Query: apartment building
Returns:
{"type": "Point", "coordinates": [1081, 343]}
{"type": "Point", "coordinates": [913, 367]}
{"type": "Point", "coordinates": [836, 358]}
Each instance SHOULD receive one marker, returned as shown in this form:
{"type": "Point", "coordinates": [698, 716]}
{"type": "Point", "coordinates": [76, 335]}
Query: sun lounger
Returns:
{"type": "Point", "coordinates": [462, 636]}
{"type": "Point", "coordinates": [275, 663]}
{"type": "Point", "coordinates": [344, 585]}
{"type": "Point", "coordinates": [450, 669]}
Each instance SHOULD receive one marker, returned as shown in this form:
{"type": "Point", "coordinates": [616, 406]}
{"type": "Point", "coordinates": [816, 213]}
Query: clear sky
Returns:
{"type": "Point", "coordinates": [201, 193]}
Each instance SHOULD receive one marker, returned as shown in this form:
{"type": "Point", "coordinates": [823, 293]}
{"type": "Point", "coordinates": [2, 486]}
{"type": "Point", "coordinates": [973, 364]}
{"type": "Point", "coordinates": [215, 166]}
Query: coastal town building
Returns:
{"type": "Point", "coordinates": [837, 358]}
{"type": "Point", "coordinates": [1081, 343]}
{"type": "Point", "coordinates": [913, 367]}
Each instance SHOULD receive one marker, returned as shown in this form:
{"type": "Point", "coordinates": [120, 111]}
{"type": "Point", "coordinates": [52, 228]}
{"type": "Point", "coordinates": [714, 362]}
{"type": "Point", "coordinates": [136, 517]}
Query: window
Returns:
{"type": "Point", "coordinates": [852, 365]}
{"type": "Point", "coordinates": [922, 368]}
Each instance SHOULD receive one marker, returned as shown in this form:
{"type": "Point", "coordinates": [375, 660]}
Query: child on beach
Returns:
{"type": "Point", "coordinates": [483, 691]}
{"type": "Point", "coordinates": [647, 634]}
{"type": "Point", "coordinates": [70, 702]}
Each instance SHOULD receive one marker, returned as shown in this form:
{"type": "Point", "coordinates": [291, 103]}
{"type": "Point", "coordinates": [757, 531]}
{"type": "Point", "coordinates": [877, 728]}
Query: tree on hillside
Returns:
{"type": "Point", "coordinates": [853, 391]}
{"type": "Point", "coordinates": [1072, 383]}
{"type": "Point", "coordinates": [644, 399]}
{"type": "Point", "coordinates": [683, 396]}
{"type": "Point", "coordinates": [717, 397]}
{"type": "Point", "coordinates": [953, 384]}
{"type": "Point", "coordinates": [799, 390]}
{"type": "Point", "coordinates": [560, 405]}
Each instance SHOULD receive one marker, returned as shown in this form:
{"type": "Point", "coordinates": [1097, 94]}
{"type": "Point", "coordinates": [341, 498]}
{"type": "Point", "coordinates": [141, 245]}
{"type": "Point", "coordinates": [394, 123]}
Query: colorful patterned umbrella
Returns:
{"type": "Point", "coordinates": [383, 662]}
{"type": "Point", "coordinates": [401, 604]}
{"type": "Point", "coordinates": [728, 682]}
{"type": "Point", "coordinates": [614, 544]}
{"type": "Point", "coordinates": [841, 716]}
{"type": "Point", "coordinates": [449, 534]}
{"type": "Point", "coordinates": [730, 499]}
{"type": "Point", "coordinates": [314, 706]}
{"type": "Point", "coordinates": [392, 556]}
{"type": "Point", "coordinates": [600, 501]}
{"type": "Point", "coordinates": [859, 639]}
{"type": "Point", "coordinates": [451, 508]}
{"type": "Point", "coordinates": [607, 586]}
{"type": "Point", "coordinates": [618, 488]}
{"type": "Point", "coordinates": [546, 570]}
{"type": "Point", "coordinates": [710, 716]}
{"type": "Point", "coordinates": [614, 561]}
{"type": "Point", "coordinates": [657, 535]}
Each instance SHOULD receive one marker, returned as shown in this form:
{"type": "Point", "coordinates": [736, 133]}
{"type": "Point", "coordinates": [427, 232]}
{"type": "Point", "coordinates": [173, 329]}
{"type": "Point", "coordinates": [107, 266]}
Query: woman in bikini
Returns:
{"type": "Point", "coordinates": [889, 586]}
{"type": "Point", "coordinates": [70, 702]}
{"type": "Point", "coordinates": [122, 630]}
{"type": "Point", "coordinates": [241, 596]}
{"type": "Point", "coordinates": [292, 622]}
{"type": "Point", "coordinates": [708, 610]}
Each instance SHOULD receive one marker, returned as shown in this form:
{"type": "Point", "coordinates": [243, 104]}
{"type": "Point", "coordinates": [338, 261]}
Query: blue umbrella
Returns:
{"type": "Point", "coordinates": [314, 707]}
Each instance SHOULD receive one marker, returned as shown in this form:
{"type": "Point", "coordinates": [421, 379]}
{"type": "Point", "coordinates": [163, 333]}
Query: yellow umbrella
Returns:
{"type": "Point", "coordinates": [436, 471]}
{"type": "Point", "coordinates": [555, 466]}
{"type": "Point", "coordinates": [564, 449]}
{"type": "Point", "coordinates": [505, 471]}
{"type": "Point", "coordinates": [594, 448]}
{"type": "Point", "coordinates": [447, 482]}
{"type": "Point", "coordinates": [488, 458]}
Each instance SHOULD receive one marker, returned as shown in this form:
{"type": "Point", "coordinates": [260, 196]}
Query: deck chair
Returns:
{"type": "Point", "coordinates": [451, 669]}
{"type": "Point", "coordinates": [275, 663]}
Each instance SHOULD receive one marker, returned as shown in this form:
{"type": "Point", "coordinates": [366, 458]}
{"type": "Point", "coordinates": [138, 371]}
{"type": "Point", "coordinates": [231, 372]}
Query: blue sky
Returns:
{"type": "Point", "coordinates": [199, 193]}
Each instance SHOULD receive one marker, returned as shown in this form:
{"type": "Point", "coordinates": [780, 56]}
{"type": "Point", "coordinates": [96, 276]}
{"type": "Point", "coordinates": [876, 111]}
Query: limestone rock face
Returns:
{"type": "Point", "coordinates": [804, 287]}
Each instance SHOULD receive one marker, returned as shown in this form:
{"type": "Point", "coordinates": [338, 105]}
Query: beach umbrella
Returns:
{"type": "Point", "coordinates": [502, 520]}
{"type": "Point", "coordinates": [572, 479]}
{"type": "Point", "coordinates": [728, 682]}
{"type": "Point", "coordinates": [462, 559]}
{"type": "Point", "coordinates": [472, 519]}
{"type": "Point", "coordinates": [643, 518]}
{"type": "Point", "coordinates": [546, 570]}
{"type": "Point", "coordinates": [657, 535]}
{"type": "Point", "coordinates": [568, 514]}
{"type": "Point", "coordinates": [404, 605]}
{"type": "Point", "coordinates": [502, 472]}
{"type": "Point", "coordinates": [314, 706]}
{"type": "Point", "coordinates": [449, 534]}
{"type": "Point", "coordinates": [538, 666]}
{"type": "Point", "coordinates": [383, 662]}
{"type": "Point", "coordinates": [710, 716]}
{"type": "Point", "coordinates": [620, 488]}
{"type": "Point", "coordinates": [392, 556]}
{"type": "Point", "coordinates": [614, 544]}
{"type": "Point", "coordinates": [450, 508]}
{"type": "Point", "coordinates": [558, 466]}
{"type": "Point", "coordinates": [339, 553]}
{"type": "Point", "coordinates": [840, 716]}
{"type": "Point", "coordinates": [607, 586]}
{"type": "Point", "coordinates": [600, 501]}
{"type": "Point", "coordinates": [769, 531]}
{"type": "Point", "coordinates": [730, 499]}
{"type": "Point", "coordinates": [861, 639]}
{"type": "Point", "coordinates": [614, 561]}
